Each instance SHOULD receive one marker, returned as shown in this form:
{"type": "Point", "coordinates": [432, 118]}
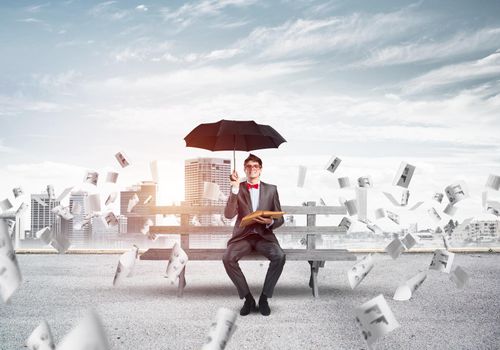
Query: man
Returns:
{"type": "Point", "coordinates": [244, 199]}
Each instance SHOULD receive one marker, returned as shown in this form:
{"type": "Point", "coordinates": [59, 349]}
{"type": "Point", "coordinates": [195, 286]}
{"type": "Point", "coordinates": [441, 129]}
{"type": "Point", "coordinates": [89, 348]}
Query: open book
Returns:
{"type": "Point", "coordinates": [247, 220]}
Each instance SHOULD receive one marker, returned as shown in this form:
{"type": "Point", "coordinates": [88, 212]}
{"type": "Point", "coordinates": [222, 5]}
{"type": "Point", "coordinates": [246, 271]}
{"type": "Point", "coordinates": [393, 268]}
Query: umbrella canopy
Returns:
{"type": "Point", "coordinates": [233, 135]}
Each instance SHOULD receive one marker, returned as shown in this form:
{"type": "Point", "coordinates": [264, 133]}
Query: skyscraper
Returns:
{"type": "Point", "coordinates": [146, 191]}
{"type": "Point", "coordinates": [41, 214]}
{"type": "Point", "coordinates": [79, 235]}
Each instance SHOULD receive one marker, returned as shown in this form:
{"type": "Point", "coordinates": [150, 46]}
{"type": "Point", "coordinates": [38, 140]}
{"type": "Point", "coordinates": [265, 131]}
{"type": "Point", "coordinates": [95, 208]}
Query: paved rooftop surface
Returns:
{"type": "Point", "coordinates": [145, 313]}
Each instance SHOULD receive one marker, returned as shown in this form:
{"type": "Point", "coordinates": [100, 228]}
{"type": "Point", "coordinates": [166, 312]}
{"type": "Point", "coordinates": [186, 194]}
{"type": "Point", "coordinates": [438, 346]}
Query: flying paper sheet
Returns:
{"type": "Point", "coordinates": [375, 229]}
{"type": "Point", "coordinates": [375, 319]}
{"type": "Point", "coordinates": [94, 203]}
{"type": "Point", "coordinates": [60, 243]}
{"type": "Point", "coordinates": [64, 194]}
{"type": "Point", "coordinates": [41, 338]}
{"type": "Point", "coordinates": [405, 195]}
{"type": "Point", "coordinates": [45, 234]}
{"type": "Point", "coordinates": [403, 175]}
{"type": "Point", "coordinates": [147, 200]}
{"type": "Point", "coordinates": [350, 206]}
{"type": "Point", "coordinates": [211, 191]}
{"type": "Point", "coordinates": [39, 201]}
{"type": "Point", "coordinates": [333, 164]}
{"type": "Point", "coordinates": [344, 182]}
{"type": "Point", "coordinates": [405, 291]}
{"type": "Point", "coordinates": [418, 204]}
{"type": "Point", "coordinates": [302, 176]}
{"type": "Point", "coordinates": [76, 208]}
{"type": "Point", "coordinates": [434, 215]}
{"type": "Point", "coordinates": [365, 181]}
{"type": "Point", "coordinates": [395, 248]}
{"type": "Point", "coordinates": [391, 198]}
{"type": "Point", "coordinates": [459, 277]}
{"type": "Point", "coordinates": [359, 271]}
{"type": "Point", "coordinates": [442, 261]}
{"type": "Point", "coordinates": [111, 198]}
{"type": "Point", "coordinates": [438, 197]}
{"type": "Point", "coordinates": [392, 216]}
{"type": "Point", "coordinates": [112, 177]}
{"type": "Point", "coordinates": [126, 265]}
{"type": "Point", "coordinates": [110, 219]}
{"type": "Point", "coordinates": [91, 177]}
{"type": "Point", "coordinates": [5, 204]}
{"type": "Point", "coordinates": [153, 166]}
{"type": "Point", "coordinates": [88, 334]}
{"type": "Point", "coordinates": [122, 159]}
{"type": "Point", "coordinates": [51, 192]}
{"type": "Point", "coordinates": [10, 275]}
{"type": "Point", "coordinates": [221, 330]}
{"type": "Point", "coordinates": [145, 227]}
{"type": "Point", "coordinates": [132, 202]}
{"type": "Point", "coordinates": [18, 191]}
{"type": "Point", "coordinates": [379, 213]}
{"type": "Point", "coordinates": [408, 241]}
{"type": "Point", "coordinates": [62, 212]}
{"type": "Point", "coordinates": [345, 222]}
{"type": "Point", "coordinates": [493, 182]}
{"type": "Point", "coordinates": [178, 260]}
{"type": "Point", "coordinates": [362, 202]}
{"type": "Point", "coordinates": [450, 210]}
{"type": "Point", "coordinates": [456, 192]}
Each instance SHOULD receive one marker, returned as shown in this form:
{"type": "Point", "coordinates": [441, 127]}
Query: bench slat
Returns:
{"type": "Point", "coordinates": [291, 254]}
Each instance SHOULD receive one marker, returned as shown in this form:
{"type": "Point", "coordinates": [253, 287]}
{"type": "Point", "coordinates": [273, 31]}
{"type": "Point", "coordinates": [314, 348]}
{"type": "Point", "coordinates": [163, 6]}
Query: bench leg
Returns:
{"type": "Point", "coordinates": [182, 282]}
{"type": "Point", "coordinates": [313, 280]}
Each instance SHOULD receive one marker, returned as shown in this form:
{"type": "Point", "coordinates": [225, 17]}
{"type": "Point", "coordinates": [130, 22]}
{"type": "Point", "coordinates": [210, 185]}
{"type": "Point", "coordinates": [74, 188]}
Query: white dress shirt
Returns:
{"type": "Point", "coordinates": [254, 197]}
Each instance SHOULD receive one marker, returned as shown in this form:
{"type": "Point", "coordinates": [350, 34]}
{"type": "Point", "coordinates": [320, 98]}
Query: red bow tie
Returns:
{"type": "Point", "coordinates": [249, 186]}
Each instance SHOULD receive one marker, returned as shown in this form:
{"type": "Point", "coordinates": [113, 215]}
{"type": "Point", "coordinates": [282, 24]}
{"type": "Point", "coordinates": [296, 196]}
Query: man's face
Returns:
{"type": "Point", "coordinates": [252, 169]}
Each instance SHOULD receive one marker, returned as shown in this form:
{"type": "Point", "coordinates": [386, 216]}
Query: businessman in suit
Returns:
{"type": "Point", "coordinates": [245, 198]}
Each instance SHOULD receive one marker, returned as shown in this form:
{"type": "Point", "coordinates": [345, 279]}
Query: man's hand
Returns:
{"type": "Point", "coordinates": [235, 179]}
{"type": "Point", "coordinates": [263, 220]}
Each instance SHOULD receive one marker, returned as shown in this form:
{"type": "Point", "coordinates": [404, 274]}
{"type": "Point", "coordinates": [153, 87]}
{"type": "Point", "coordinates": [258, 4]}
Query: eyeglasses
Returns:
{"type": "Point", "coordinates": [255, 166]}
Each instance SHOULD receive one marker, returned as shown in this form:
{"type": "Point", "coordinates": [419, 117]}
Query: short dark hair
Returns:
{"type": "Point", "coordinates": [252, 157]}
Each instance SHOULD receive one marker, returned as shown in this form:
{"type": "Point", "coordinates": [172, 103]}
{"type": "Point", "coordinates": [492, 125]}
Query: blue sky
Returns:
{"type": "Point", "coordinates": [374, 83]}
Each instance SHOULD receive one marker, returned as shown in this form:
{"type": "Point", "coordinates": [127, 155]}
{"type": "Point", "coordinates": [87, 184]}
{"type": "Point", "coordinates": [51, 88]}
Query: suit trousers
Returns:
{"type": "Point", "coordinates": [254, 242]}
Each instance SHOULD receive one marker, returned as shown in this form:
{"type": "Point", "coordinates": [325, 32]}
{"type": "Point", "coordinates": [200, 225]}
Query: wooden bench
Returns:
{"type": "Point", "coordinates": [315, 257]}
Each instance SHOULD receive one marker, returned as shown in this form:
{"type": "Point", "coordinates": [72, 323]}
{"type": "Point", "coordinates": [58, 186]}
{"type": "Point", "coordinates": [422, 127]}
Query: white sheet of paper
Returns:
{"type": "Point", "coordinates": [403, 175]}
{"type": "Point", "coordinates": [88, 334]}
{"type": "Point", "coordinates": [64, 194]}
{"type": "Point", "coordinates": [153, 166]}
{"type": "Point", "coordinates": [365, 181]}
{"type": "Point", "coordinates": [51, 192]}
{"type": "Point", "coordinates": [434, 215]}
{"type": "Point", "coordinates": [459, 276]}
{"type": "Point", "coordinates": [391, 198]}
{"type": "Point", "coordinates": [374, 228]}
{"type": "Point", "coordinates": [392, 216]}
{"type": "Point", "coordinates": [110, 219]}
{"type": "Point", "coordinates": [94, 203]}
{"type": "Point", "coordinates": [10, 276]}
{"type": "Point", "coordinates": [221, 330]}
{"type": "Point", "coordinates": [362, 202]}
{"type": "Point", "coordinates": [91, 177]}
{"type": "Point", "coordinates": [442, 261]}
{"type": "Point", "coordinates": [344, 182]}
{"type": "Point", "coordinates": [406, 290]}
{"type": "Point", "coordinates": [178, 260]}
{"type": "Point", "coordinates": [450, 210]}
{"type": "Point", "coordinates": [147, 200]}
{"type": "Point", "coordinates": [405, 195]}
{"type": "Point", "coordinates": [62, 212]}
{"type": "Point", "coordinates": [351, 207]}
{"type": "Point", "coordinates": [375, 319]}
{"type": "Point", "coordinates": [76, 208]}
{"type": "Point", "coordinates": [333, 164]}
{"type": "Point", "coordinates": [493, 182]}
{"type": "Point", "coordinates": [409, 241]}
{"type": "Point", "coordinates": [395, 248]}
{"type": "Point", "coordinates": [345, 222]}
{"type": "Point", "coordinates": [211, 191]}
{"type": "Point", "coordinates": [41, 338]}
{"type": "Point", "coordinates": [379, 213]}
{"type": "Point", "coordinates": [456, 192]}
{"type": "Point", "coordinates": [5, 204]}
{"type": "Point", "coordinates": [45, 234]}
{"type": "Point", "coordinates": [39, 201]}
{"type": "Point", "coordinates": [122, 159]}
{"type": "Point", "coordinates": [111, 198]}
{"type": "Point", "coordinates": [359, 271]}
{"type": "Point", "coordinates": [60, 243]}
{"type": "Point", "coordinates": [302, 176]}
{"type": "Point", "coordinates": [18, 191]}
{"type": "Point", "coordinates": [438, 197]}
{"type": "Point", "coordinates": [112, 177]}
{"type": "Point", "coordinates": [126, 265]}
{"type": "Point", "coordinates": [132, 202]}
{"type": "Point", "coordinates": [416, 205]}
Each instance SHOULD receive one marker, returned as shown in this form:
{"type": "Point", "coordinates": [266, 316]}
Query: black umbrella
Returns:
{"type": "Point", "coordinates": [233, 135]}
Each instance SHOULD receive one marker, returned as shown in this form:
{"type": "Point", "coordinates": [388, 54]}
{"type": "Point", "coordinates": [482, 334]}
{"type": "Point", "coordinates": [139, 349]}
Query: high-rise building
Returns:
{"type": "Point", "coordinates": [141, 212]}
{"type": "Point", "coordinates": [200, 170]}
{"type": "Point", "coordinates": [42, 216]}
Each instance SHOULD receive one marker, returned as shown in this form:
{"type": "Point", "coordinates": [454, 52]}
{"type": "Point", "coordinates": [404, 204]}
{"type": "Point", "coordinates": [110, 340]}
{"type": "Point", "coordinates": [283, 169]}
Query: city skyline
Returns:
{"type": "Point", "coordinates": [329, 76]}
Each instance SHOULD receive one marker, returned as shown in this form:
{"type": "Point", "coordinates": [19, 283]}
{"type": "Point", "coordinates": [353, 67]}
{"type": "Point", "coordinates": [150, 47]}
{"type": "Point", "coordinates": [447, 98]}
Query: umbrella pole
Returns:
{"type": "Point", "coordinates": [234, 153]}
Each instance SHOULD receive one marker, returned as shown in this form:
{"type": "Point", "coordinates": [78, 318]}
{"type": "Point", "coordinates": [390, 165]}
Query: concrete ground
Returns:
{"type": "Point", "coordinates": [144, 312]}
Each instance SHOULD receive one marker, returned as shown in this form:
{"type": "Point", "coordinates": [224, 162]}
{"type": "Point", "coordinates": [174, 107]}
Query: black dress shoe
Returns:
{"type": "Point", "coordinates": [264, 307]}
{"type": "Point", "coordinates": [248, 306]}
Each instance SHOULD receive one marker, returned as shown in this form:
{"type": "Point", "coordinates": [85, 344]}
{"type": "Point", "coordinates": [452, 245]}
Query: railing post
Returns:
{"type": "Point", "coordinates": [311, 221]}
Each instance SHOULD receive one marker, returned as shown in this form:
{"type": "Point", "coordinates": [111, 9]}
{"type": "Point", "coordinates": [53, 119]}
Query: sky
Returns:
{"type": "Point", "coordinates": [373, 83]}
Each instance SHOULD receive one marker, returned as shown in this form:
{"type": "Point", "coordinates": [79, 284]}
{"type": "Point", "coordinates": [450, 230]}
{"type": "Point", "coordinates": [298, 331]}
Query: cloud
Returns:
{"type": "Point", "coordinates": [142, 8]}
{"type": "Point", "coordinates": [431, 51]}
{"type": "Point", "coordinates": [6, 149]}
{"type": "Point", "coordinates": [108, 10]}
{"type": "Point", "coordinates": [61, 82]}
{"type": "Point", "coordinates": [44, 24]}
{"type": "Point", "coordinates": [194, 11]}
{"type": "Point", "coordinates": [37, 8]}
{"type": "Point", "coordinates": [454, 74]}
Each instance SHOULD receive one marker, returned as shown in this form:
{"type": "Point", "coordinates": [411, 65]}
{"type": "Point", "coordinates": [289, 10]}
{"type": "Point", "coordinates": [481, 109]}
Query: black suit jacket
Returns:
{"type": "Point", "coordinates": [241, 205]}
